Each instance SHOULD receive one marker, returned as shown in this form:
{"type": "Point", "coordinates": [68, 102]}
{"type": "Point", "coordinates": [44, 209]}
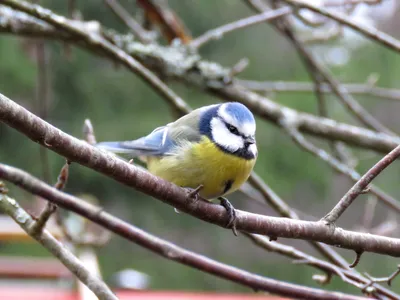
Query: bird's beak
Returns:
{"type": "Point", "coordinates": [250, 140]}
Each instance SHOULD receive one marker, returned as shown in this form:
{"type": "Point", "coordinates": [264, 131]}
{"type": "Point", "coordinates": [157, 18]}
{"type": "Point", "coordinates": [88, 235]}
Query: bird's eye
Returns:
{"type": "Point", "coordinates": [232, 129]}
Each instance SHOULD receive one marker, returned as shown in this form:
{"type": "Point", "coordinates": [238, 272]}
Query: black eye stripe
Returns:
{"type": "Point", "coordinates": [228, 125]}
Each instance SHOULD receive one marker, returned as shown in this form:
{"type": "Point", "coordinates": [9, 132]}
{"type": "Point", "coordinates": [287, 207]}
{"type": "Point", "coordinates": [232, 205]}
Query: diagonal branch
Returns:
{"type": "Point", "coordinates": [159, 13]}
{"type": "Point", "coordinates": [321, 74]}
{"type": "Point", "coordinates": [337, 165]}
{"type": "Point", "coordinates": [360, 186]}
{"type": "Point", "coordinates": [107, 164]}
{"type": "Point", "coordinates": [219, 32]}
{"type": "Point", "coordinates": [368, 31]}
{"type": "Point", "coordinates": [99, 288]}
{"type": "Point", "coordinates": [97, 41]}
{"type": "Point", "coordinates": [159, 246]}
{"type": "Point", "coordinates": [304, 258]}
{"type": "Point", "coordinates": [305, 87]}
{"type": "Point", "coordinates": [144, 36]}
{"type": "Point", "coordinates": [207, 75]}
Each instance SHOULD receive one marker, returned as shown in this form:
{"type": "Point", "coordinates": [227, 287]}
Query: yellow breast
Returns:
{"type": "Point", "coordinates": [203, 163]}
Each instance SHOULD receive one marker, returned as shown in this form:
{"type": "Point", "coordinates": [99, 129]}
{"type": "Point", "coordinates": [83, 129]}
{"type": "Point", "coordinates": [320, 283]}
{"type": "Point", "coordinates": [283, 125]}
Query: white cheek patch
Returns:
{"type": "Point", "coordinates": [223, 137]}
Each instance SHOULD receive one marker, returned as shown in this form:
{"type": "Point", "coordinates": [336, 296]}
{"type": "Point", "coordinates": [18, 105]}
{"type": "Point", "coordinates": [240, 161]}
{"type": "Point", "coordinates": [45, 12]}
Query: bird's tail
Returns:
{"type": "Point", "coordinates": [116, 147]}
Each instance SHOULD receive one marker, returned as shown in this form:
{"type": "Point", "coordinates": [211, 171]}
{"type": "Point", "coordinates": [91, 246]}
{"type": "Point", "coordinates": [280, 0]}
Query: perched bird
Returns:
{"type": "Point", "coordinates": [211, 150]}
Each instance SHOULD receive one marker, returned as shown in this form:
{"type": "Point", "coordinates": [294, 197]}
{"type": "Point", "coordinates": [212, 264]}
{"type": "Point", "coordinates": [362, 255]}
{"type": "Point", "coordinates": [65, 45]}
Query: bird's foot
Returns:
{"type": "Point", "coordinates": [193, 194]}
{"type": "Point", "coordinates": [231, 214]}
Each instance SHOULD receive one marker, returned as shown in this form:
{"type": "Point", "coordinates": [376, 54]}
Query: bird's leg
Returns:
{"type": "Point", "coordinates": [231, 214]}
{"type": "Point", "coordinates": [194, 193]}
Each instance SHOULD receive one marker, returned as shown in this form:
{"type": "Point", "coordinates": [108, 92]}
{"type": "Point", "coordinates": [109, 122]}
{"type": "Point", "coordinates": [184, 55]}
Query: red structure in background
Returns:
{"type": "Point", "coordinates": [7, 293]}
{"type": "Point", "coordinates": [16, 272]}
{"type": "Point", "coordinates": [38, 278]}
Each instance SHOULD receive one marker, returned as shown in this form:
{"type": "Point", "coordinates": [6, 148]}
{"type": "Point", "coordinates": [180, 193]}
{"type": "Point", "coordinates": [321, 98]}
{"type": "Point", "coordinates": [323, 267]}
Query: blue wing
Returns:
{"type": "Point", "coordinates": [156, 143]}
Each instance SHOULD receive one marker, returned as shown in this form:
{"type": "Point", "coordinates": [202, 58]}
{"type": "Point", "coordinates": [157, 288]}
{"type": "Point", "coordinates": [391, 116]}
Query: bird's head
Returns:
{"type": "Point", "coordinates": [231, 126]}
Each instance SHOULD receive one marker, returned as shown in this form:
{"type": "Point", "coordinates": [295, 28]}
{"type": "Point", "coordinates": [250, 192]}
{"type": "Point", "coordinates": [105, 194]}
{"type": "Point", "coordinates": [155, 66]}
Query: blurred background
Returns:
{"type": "Point", "coordinates": [122, 107]}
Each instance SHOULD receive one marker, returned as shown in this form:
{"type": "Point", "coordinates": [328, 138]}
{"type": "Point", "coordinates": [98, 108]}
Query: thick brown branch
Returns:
{"type": "Point", "coordinates": [80, 152]}
{"type": "Point", "coordinates": [152, 243]}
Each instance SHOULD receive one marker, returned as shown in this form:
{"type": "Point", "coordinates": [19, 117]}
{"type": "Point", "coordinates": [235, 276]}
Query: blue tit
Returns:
{"type": "Point", "coordinates": [212, 147]}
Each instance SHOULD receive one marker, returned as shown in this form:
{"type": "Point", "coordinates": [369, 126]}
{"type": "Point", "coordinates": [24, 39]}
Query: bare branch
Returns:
{"type": "Point", "coordinates": [367, 31]}
{"type": "Point", "coordinates": [305, 87]}
{"type": "Point", "coordinates": [361, 184]}
{"type": "Point", "coordinates": [208, 74]}
{"type": "Point", "coordinates": [143, 35]}
{"type": "Point", "coordinates": [158, 13]}
{"type": "Point", "coordinates": [163, 247]}
{"type": "Point", "coordinates": [50, 208]}
{"type": "Point", "coordinates": [99, 288]}
{"type": "Point", "coordinates": [337, 165]}
{"type": "Point", "coordinates": [356, 260]}
{"type": "Point", "coordinates": [324, 75]}
{"type": "Point", "coordinates": [300, 257]}
{"type": "Point", "coordinates": [388, 279]}
{"type": "Point", "coordinates": [88, 132]}
{"type": "Point", "coordinates": [218, 33]}
{"type": "Point", "coordinates": [107, 164]}
{"type": "Point", "coordinates": [97, 41]}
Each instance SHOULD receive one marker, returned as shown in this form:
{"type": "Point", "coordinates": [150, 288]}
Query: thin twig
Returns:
{"type": "Point", "coordinates": [336, 3]}
{"type": "Point", "coordinates": [50, 208]}
{"type": "Point", "coordinates": [301, 257]}
{"type": "Point", "coordinates": [218, 33]}
{"type": "Point", "coordinates": [99, 288]}
{"type": "Point", "coordinates": [44, 216]}
{"type": "Point", "coordinates": [285, 211]}
{"type": "Point", "coordinates": [388, 279]}
{"type": "Point", "coordinates": [357, 259]}
{"type": "Point", "coordinates": [322, 36]}
{"type": "Point", "coordinates": [361, 184]}
{"type": "Point", "coordinates": [366, 30]}
{"type": "Point", "coordinates": [88, 132]}
{"type": "Point", "coordinates": [160, 14]}
{"type": "Point", "coordinates": [144, 36]}
{"type": "Point", "coordinates": [290, 127]}
{"type": "Point", "coordinates": [306, 87]}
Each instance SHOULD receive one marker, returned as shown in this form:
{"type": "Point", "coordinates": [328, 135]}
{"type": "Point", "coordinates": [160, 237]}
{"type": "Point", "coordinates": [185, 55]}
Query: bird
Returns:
{"type": "Point", "coordinates": [210, 151]}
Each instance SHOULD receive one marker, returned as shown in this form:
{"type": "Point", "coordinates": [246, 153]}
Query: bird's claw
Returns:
{"type": "Point", "coordinates": [193, 194]}
{"type": "Point", "coordinates": [231, 214]}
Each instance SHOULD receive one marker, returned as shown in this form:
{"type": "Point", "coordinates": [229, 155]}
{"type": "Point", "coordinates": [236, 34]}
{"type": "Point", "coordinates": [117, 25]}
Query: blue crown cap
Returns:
{"type": "Point", "coordinates": [239, 112]}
